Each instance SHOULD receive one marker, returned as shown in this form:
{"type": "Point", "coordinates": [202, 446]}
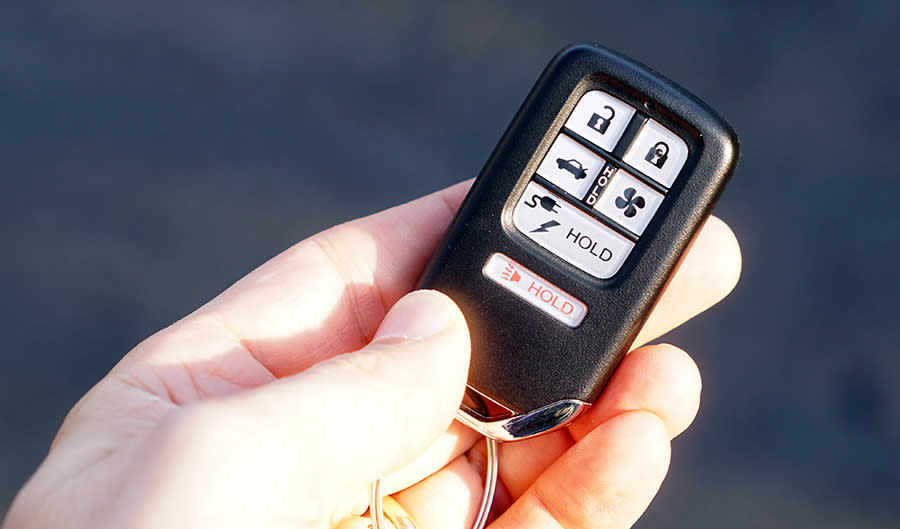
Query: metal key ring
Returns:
{"type": "Point", "coordinates": [404, 521]}
{"type": "Point", "coordinates": [397, 515]}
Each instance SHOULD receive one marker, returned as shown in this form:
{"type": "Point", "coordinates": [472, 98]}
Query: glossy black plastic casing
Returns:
{"type": "Point", "coordinates": [521, 358]}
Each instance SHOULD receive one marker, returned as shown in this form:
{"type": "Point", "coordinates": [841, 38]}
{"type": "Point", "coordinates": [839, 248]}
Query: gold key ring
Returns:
{"type": "Point", "coordinates": [382, 507]}
{"type": "Point", "coordinates": [397, 515]}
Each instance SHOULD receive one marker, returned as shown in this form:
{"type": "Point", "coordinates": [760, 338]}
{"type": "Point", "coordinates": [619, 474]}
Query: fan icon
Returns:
{"type": "Point", "coordinates": [630, 203]}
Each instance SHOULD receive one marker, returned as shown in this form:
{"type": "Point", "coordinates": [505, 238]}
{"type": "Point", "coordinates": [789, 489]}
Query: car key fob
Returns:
{"type": "Point", "coordinates": [571, 231]}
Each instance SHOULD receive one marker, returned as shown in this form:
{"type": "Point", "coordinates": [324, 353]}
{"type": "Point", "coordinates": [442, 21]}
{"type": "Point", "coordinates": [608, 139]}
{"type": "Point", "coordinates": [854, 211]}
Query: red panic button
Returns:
{"type": "Point", "coordinates": [535, 290]}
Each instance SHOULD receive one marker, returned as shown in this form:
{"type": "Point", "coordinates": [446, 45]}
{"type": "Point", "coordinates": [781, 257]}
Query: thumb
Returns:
{"type": "Point", "coordinates": [361, 415]}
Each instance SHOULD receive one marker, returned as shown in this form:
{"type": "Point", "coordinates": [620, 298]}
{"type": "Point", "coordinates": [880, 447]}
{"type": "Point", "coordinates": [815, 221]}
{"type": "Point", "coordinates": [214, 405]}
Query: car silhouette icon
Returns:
{"type": "Point", "coordinates": [573, 166]}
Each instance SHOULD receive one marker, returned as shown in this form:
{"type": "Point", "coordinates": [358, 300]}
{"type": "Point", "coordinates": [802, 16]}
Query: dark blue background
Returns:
{"type": "Point", "coordinates": [152, 153]}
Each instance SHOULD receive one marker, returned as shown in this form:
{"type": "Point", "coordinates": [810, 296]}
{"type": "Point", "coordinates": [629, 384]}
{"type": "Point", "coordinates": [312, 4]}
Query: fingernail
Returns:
{"type": "Point", "coordinates": [417, 316]}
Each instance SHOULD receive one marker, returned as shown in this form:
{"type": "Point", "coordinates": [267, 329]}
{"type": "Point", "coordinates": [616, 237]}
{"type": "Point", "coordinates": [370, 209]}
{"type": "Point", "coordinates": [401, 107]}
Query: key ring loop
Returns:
{"type": "Point", "coordinates": [376, 504]}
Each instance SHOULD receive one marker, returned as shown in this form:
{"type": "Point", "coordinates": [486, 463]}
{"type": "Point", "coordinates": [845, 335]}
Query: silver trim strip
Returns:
{"type": "Point", "coordinates": [522, 426]}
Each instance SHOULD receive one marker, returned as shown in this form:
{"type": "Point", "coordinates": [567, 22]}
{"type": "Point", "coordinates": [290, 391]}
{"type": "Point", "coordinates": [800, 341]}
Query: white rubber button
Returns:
{"type": "Point", "coordinates": [600, 118]}
{"type": "Point", "coordinates": [570, 166]}
{"type": "Point", "coordinates": [629, 202]}
{"type": "Point", "coordinates": [569, 233]}
{"type": "Point", "coordinates": [536, 290]}
{"type": "Point", "coordinates": [657, 152]}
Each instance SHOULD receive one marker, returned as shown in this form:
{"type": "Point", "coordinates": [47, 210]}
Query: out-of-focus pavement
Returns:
{"type": "Point", "coordinates": [154, 152]}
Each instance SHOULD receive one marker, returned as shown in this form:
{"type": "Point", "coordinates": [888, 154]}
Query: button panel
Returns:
{"type": "Point", "coordinates": [566, 231]}
{"type": "Point", "coordinates": [587, 206]}
{"type": "Point", "coordinates": [535, 290]}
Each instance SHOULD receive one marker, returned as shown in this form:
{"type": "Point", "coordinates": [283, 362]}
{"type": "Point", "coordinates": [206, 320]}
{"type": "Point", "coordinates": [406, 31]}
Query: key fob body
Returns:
{"type": "Point", "coordinates": [571, 231]}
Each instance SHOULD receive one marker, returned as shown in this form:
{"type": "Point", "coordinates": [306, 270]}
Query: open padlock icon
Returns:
{"type": "Point", "coordinates": [658, 154]}
{"type": "Point", "coordinates": [600, 123]}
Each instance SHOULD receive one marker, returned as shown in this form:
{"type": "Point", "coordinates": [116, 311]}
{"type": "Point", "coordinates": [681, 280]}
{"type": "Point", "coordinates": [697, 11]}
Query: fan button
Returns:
{"type": "Point", "coordinates": [629, 202]}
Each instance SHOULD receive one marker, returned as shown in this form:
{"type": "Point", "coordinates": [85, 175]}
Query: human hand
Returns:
{"type": "Point", "coordinates": [276, 404]}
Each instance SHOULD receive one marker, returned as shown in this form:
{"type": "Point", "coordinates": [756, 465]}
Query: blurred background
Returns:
{"type": "Point", "coordinates": [152, 153]}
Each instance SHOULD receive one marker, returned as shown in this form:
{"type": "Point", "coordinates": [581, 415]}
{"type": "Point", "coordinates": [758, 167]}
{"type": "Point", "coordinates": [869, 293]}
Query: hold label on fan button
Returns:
{"type": "Point", "coordinates": [536, 290]}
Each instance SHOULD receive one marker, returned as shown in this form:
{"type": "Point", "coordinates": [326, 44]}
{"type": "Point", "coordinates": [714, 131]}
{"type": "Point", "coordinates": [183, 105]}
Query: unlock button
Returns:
{"type": "Point", "coordinates": [600, 118]}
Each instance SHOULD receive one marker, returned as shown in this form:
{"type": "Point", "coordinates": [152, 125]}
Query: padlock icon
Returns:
{"type": "Point", "coordinates": [599, 123]}
{"type": "Point", "coordinates": [658, 154]}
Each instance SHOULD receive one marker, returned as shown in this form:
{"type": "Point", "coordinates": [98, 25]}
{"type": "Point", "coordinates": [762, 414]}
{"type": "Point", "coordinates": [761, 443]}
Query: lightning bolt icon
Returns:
{"type": "Point", "coordinates": [545, 226]}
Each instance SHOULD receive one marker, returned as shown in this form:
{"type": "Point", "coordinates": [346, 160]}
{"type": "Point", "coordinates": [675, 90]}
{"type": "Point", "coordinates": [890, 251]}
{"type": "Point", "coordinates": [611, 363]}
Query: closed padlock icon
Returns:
{"type": "Point", "coordinates": [658, 154]}
{"type": "Point", "coordinates": [600, 123]}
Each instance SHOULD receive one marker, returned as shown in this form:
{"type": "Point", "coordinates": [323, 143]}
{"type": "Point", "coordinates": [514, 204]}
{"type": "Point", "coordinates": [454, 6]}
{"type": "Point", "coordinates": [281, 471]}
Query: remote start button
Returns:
{"type": "Point", "coordinates": [576, 237]}
{"type": "Point", "coordinates": [570, 166]}
{"type": "Point", "coordinates": [657, 152]}
{"type": "Point", "coordinates": [600, 118]}
{"type": "Point", "coordinates": [535, 290]}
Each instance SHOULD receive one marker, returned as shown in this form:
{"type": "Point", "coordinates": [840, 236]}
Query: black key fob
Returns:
{"type": "Point", "coordinates": [572, 230]}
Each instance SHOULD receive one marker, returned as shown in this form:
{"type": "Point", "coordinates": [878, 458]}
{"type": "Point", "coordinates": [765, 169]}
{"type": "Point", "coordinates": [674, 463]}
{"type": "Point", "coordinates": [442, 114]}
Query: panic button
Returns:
{"type": "Point", "coordinates": [535, 290]}
{"type": "Point", "coordinates": [566, 231]}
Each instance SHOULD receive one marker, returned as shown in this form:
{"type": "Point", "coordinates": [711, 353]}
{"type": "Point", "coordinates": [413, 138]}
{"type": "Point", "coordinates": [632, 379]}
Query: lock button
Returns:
{"type": "Point", "coordinates": [657, 152]}
{"type": "Point", "coordinates": [600, 118]}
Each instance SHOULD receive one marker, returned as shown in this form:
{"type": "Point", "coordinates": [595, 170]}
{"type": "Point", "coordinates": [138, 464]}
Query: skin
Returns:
{"type": "Point", "coordinates": [276, 404]}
